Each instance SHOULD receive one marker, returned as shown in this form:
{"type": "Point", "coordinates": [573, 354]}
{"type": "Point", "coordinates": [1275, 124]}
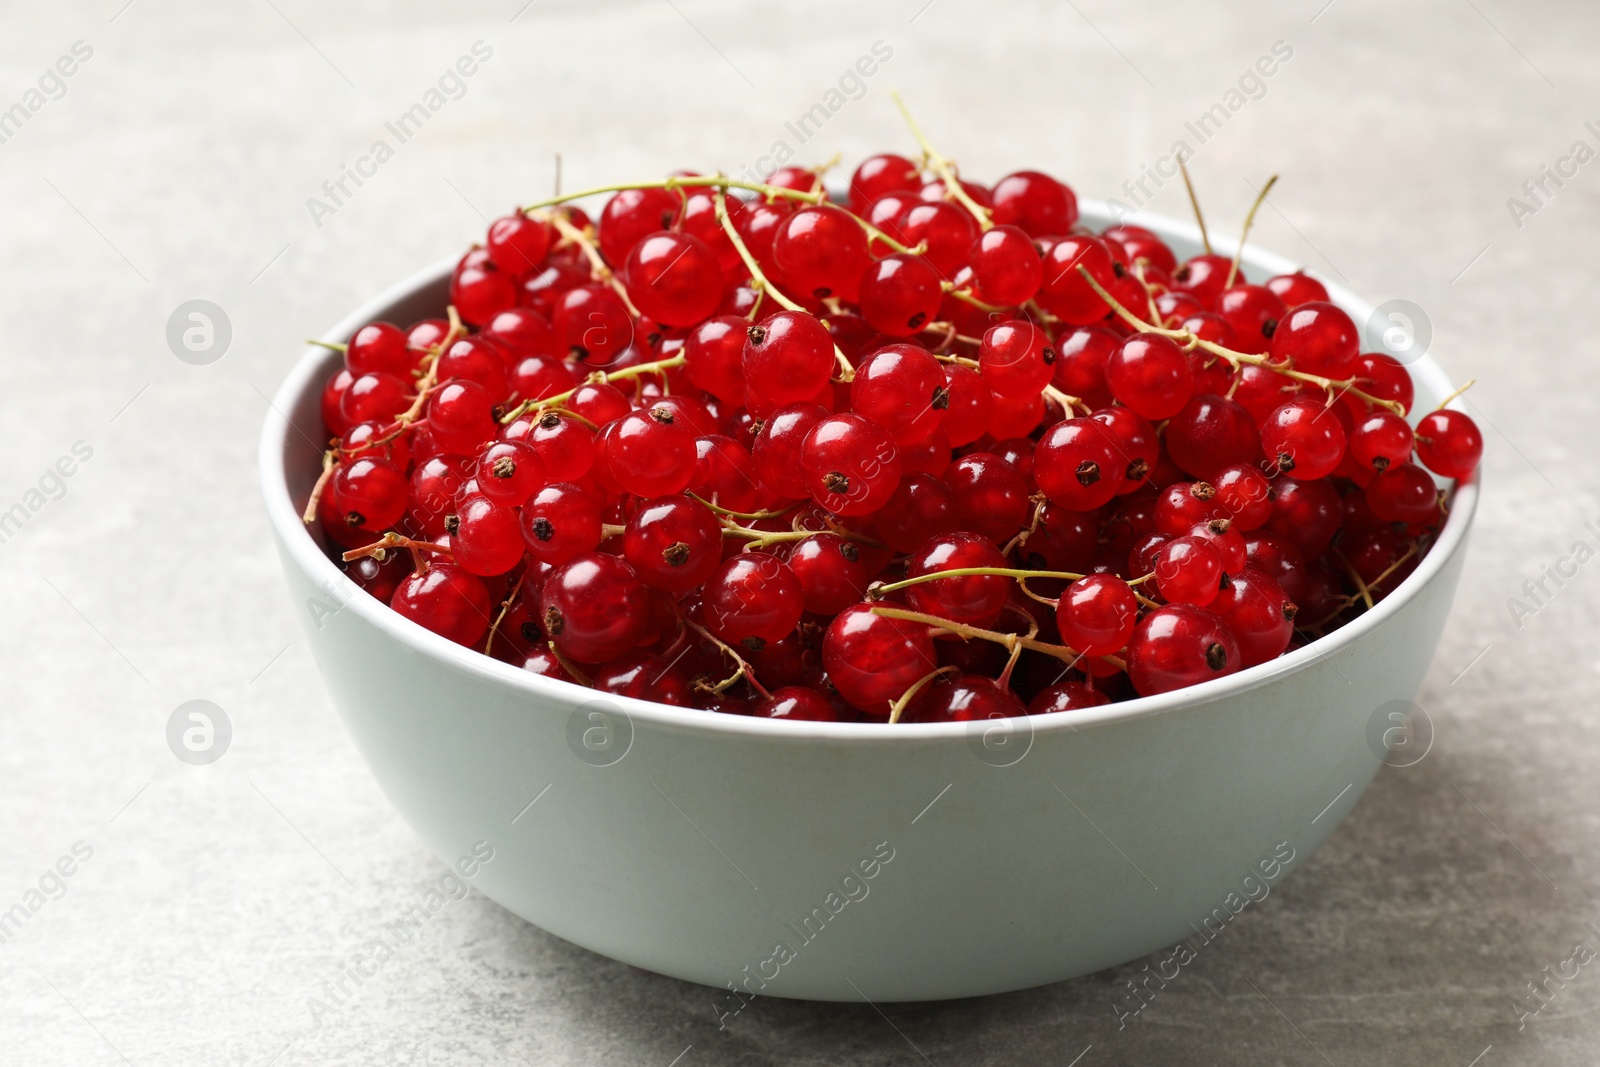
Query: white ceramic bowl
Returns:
{"type": "Point", "coordinates": [838, 861]}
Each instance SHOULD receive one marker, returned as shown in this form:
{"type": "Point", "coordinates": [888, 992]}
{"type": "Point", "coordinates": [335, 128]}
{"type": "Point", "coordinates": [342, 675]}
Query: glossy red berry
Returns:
{"type": "Point", "coordinates": [1258, 614]}
{"type": "Point", "coordinates": [833, 572]}
{"type": "Point", "coordinates": [975, 599]}
{"type": "Point", "coordinates": [1034, 202]}
{"type": "Point", "coordinates": [1211, 433]}
{"type": "Point", "coordinates": [1449, 443]}
{"type": "Point", "coordinates": [594, 607]}
{"type": "Point", "coordinates": [1005, 266]}
{"type": "Point", "coordinates": [1303, 438]}
{"type": "Point", "coordinates": [1150, 374]}
{"type": "Point", "coordinates": [1318, 338]}
{"type": "Point", "coordinates": [903, 389]}
{"type": "Point", "coordinates": [1381, 440]}
{"type": "Point", "coordinates": [797, 704]}
{"type": "Point", "coordinates": [1064, 291]}
{"type": "Point", "coordinates": [1188, 570]}
{"type": "Point", "coordinates": [968, 416]}
{"type": "Point", "coordinates": [900, 294]}
{"type": "Point", "coordinates": [379, 348]}
{"type": "Point", "coordinates": [788, 357]}
{"type": "Point", "coordinates": [822, 251]}
{"type": "Point", "coordinates": [674, 278]}
{"type": "Point", "coordinates": [752, 600]}
{"type": "Point", "coordinates": [632, 215]}
{"type": "Point", "coordinates": [517, 243]}
{"type": "Point", "coordinates": [880, 175]}
{"type": "Point", "coordinates": [778, 447]}
{"type": "Point", "coordinates": [1178, 646]}
{"type": "Point", "coordinates": [509, 472]}
{"type": "Point", "coordinates": [1096, 615]}
{"type": "Point", "coordinates": [1243, 495]}
{"type": "Point", "coordinates": [447, 600]}
{"type": "Point", "coordinates": [872, 659]}
{"type": "Point", "coordinates": [650, 453]}
{"type": "Point", "coordinates": [1016, 359]}
{"type": "Point", "coordinates": [850, 464]}
{"type": "Point", "coordinates": [1404, 493]}
{"type": "Point", "coordinates": [560, 522]}
{"type": "Point", "coordinates": [1252, 312]}
{"type": "Point", "coordinates": [921, 507]}
{"type": "Point", "coordinates": [486, 539]}
{"type": "Point", "coordinates": [963, 698]}
{"type": "Point", "coordinates": [1296, 289]}
{"type": "Point", "coordinates": [947, 229]}
{"type": "Point", "coordinates": [1078, 464]}
{"type": "Point", "coordinates": [461, 417]}
{"type": "Point", "coordinates": [592, 325]}
{"type": "Point", "coordinates": [1066, 696]}
{"type": "Point", "coordinates": [714, 357]}
{"type": "Point", "coordinates": [990, 495]}
{"type": "Point", "coordinates": [673, 543]}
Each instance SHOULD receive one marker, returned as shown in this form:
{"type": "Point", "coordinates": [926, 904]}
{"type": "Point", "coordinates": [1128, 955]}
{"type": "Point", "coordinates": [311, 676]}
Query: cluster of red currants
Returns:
{"type": "Point", "coordinates": [934, 452]}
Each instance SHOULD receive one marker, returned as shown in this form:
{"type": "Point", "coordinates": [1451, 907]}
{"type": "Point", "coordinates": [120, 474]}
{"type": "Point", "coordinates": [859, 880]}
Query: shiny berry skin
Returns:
{"type": "Point", "coordinates": [1318, 338]}
{"type": "Point", "coordinates": [673, 278]}
{"type": "Point", "coordinates": [822, 251]}
{"type": "Point", "coordinates": [518, 243]}
{"type": "Point", "coordinates": [592, 325]}
{"type": "Point", "coordinates": [594, 607]}
{"type": "Point", "coordinates": [645, 677]}
{"type": "Point", "coordinates": [850, 463]}
{"type": "Point", "coordinates": [1279, 559]}
{"type": "Point", "coordinates": [538, 377]}
{"type": "Point", "coordinates": [833, 572]}
{"type": "Point", "coordinates": [714, 357]}
{"type": "Point", "coordinates": [433, 489]}
{"type": "Point", "coordinates": [1303, 438]}
{"type": "Point", "coordinates": [1449, 444]}
{"type": "Point", "coordinates": [1381, 440]}
{"type": "Point", "coordinates": [1066, 696]}
{"type": "Point", "coordinates": [921, 507]}
{"type": "Point", "coordinates": [599, 402]}
{"type": "Point", "coordinates": [1096, 615]}
{"type": "Point", "coordinates": [1261, 391]}
{"type": "Point", "coordinates": [509, 472]}
{"type": "Point", "coordinates": [476, 359]}
{"type": "Point", "coordinates": [900, 294]}
{"type": "Point", "coordinates": [1296, 289]}
{"type": "Point", "coordinates": [1384, 377]}
{"type": "Point", "coordinates": [698, 217]}
{"type": "Point", "coordinates": [1203, 277]}
{"type": "Point", "coordinates": [947, 229]}
{"type": "Point", "coordinates": [752, 600]}
{"type": "Point", "coordinates": [963, 698]}
{"type": "Point", "coordinates": [1016, 359]}
{"type": "Point", "coordinates": [788, 356]}
{"type": "Point", "coordinates": [1081, 355]}
{"type": "Point", "coordinates": [797, 703]}
{"type": "Point", "coordinates": [447, 600]}
{"type": "Point", "coordinates": [543, 289]}
{"type": "Point", "coordinates": [725, 474]}
{"type": "Point", "coordinates": [566, 445]}
{"type": "Point", "coordinates": [1078, 464]}
{"type": "Point", "coordinates": [673, 543]}
{"type": "Point", "coordinates": [379, 579]}
{"type": "Point", "coordinates": [1244, 496]}
{"type": "Point", "coordinates": [561, 521]}
{"type": "Point", "coordinates": [1258, 614]}
{"type": "Point", "coordinates": [486, 540]}
{"type": "Point", "coordinates": [976, 599]}
{"type": "Point", "coordinates": [967, 418]}
{"type": "Point", "coordinates": [332, 396]}
{"type": "Point", "coordinates": [1210, 433]}
{"type": "Point", "coordinates": [1005, 266]}
{"type": "Point", "coordinates": [1150, 374]}
{"type": "Point", "coordinates": [1228, 542]}
{"type": "Point", "coordinates": [1064, 291]}
{"type": "Point", "coordinates": [1178, 646]}
{"type": "Point", "coordinates": [1188, 570]}
{"type": "Point", "coordinates": [482, 292]}
{"type": "Point", "coordinates": [375, 397]}
{"type": "Point", "coordinates": [1136, 443]}
{"type": "Point", "coordinates": [1139, 243]}
{"type": "Point", "coordinates": [901, 388]}
{"type": "Point", "coordinates": [650, 453]}
{"type": "Point", "coordinates": [1253, 313]}
{"type": "Point", "coordinates": [367, 497]}
{"type": "Point", "coordinates": [872, 660]}
{"type": "Point", "coordinates": [990, 495]}
{"type": "Point", "coordinates": [778, 446]}
{"type": "Point", "coordinates": [379, 348]}
{"type": "Point", "coordinates": [880, 175]}
{"type": "Point", "coordinates": [1404, 493]}
{"type": "Point", "coordinates": [632, 215]}
{"type": "Point", "coordinates": [1036, 203]}
{"type": "Point", "coordinates": [461, 417]}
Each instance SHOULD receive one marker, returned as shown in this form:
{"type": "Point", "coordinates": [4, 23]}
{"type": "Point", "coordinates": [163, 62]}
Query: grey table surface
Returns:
{"type": "Point", "coordinates": [176, 163]}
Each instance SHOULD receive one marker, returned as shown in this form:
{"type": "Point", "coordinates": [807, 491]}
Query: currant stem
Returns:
{"type": "Point", "coordinates": [1061, 652]}
{"type": "Point", "coordinates": [720, 510]}
{"type": "Point", "coordinates": [379, 549]}
{"type": "Point", "coordinates": [761, 538]}
{"type": "Point", "coordinates": [1446, 401]}
{"type": "Point", "coordinates": [1355, 576]}
{"type": "Point", "coordinates": [1191, 341]}
{"type": "Point", "coordinates": [1249, 220]}
{"type": "Point", "coordinates": [570, 667]}
{"type": "Point", "coordinates": [846, 372]}
{"type": "Point", "coordinates": [599, 377]}
{"type": "Point", "coordinates": [942, 167]}
{"type": "Point", "coordinates": [1194, 202]}
{"type": "Point", "coordinates": [899, 706]}
{"type": "Point", "coordinates": [1068, 403]}
{"type": "Point", "coordinates": [878, 592]}
{"type": "Point", "coordinates": [597, 264]}
{"type": "Point", "coordinates": [698, 181]}
{"type": "Point", "coordinates": [330, 463]}
{"type": "Point", "coordinates": [1022, 536]}
{"type": "Point", "coordinates": [966, 297]}
{"type": "Point", "coordinates": [745, 670]}
{"type": "Point", "coordinates": [505, 607]}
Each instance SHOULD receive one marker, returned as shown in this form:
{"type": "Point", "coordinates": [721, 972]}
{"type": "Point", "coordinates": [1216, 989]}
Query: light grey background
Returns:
{"type": "Point", "coordinates": [177, 167]}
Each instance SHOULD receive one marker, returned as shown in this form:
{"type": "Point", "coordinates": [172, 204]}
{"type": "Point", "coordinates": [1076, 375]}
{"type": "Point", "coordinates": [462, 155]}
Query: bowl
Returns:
{"type": "Point", "coordinates": [842, 861]}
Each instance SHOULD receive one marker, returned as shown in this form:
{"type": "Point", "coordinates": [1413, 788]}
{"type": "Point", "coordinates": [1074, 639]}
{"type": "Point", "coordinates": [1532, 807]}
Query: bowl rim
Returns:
{"type": "Point", "coordinates": [298, 544]}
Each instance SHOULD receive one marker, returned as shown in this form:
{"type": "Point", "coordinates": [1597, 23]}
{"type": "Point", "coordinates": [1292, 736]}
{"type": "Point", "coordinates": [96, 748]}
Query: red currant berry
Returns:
{"type": "Point", "coordinates": [373, 398]}
{"type": "Point", "coordinates": [673, 543]}
{"type": "Point", "coordinates": [725, 474]}
{"type": "Point", "coordinates": [967, 418]}
{"type": "Point", "coordinates": [1178, 646]}
{"type": "Point", "coordinates": [1384, 377]}
{"type": "Point", "coordinates": [1204, 278]}
{"type": "Point", "coordinates": [592, 325]}
{"type": "Point", "coordinates": [833, 572]}
{"type": "Point", "coordinates": [901, 388]}
{"type": "Point", "coordinates": [650, 453]}
{"type": "Point", "coordinates": [947, 229]}
{"type": "Point", "coordinates": [714, 357]}
{"type": "Point", "coordinates": [900, 294]}
{"type": "Point", "coordinates": [1449, 444]}
{"type": "Point", "coordinates": [752, 600]}
{"type": "Point", "coordinates": [1303, 438]}
{"type": "Point", "coordinates": [1258, 615]}
{"type": "Point", "coordinates": [1066, 696]}
{"type": "Point", "coordinates": [518, 243]}
{"type": "Point", "coordinates": [1404, 493]}
{"type": "Point", "coordinates": [479, 293]}
{"type": "Point", "coordinates": [976, 599]}
{"type": "Point", "coordinates": [1005, 266]}
{"type": "Point", "coordinates": [963, 698]}
{"type": "Point", "coordinates": [851, 465]}
{"type": "Point", "coordinates": [560, 522]}
{"type": "Point", "coordinates": [486, 540]}
{"type": "Point", "coordinates": [632, 215]}
{"type": "Point", "coordinates": [990, 495]}
{"type": "Point", "coordinates": [788, 356]}
{"type": "Point", "coordinates": [778, 447]}
{"type": "Point", "coordinates": [461, 417]}
{"type": "Point", "coordinates": [1296, 289]}
{"type": "Point", "coordinates": [872, 659]}
{"type": "Point", "coordinates": [1150, 374]}
{"type": "Point", "coordinates": [509, 472]}
{"type": "Point", "coordinates": [1318, 338]}
{"type": "Point", "coordinates": [822, 251]}
{"type": "Point", "coordinates": [1096, 615]}
{"type": "Point", "coordinates": [594, 607]}
{"type": "Point", "coordinates": [1253, 313]}
{"type": "Point", "coordinates": [1381, 440]}
{"type": "Point", "coordinates": [922, 506]}
{"type": "Point", "coordinates": [379, 348]}
{"type": "Point", "coordinates": [1188, 571]}
{"type": "Point", "coordinates": [447, 600]}
{"type": "Point", "coordinates": [1244, 496]}
{"type": "Point", "coordinates": [1016, 359]}
{"type": "Point", "coordinates": [797, 704]}
{"type": "Point", "coordinates": [1065, 292]}
{"type": "Point", "coordinates": [1081, 355]}
{"type": "Point", "coordinates": [674, 278]}
{"type": "Point", "coordinates": [1210, 433]}
{"type": "Point", "coordinates": [1078, 464]}
{"type": "Point", "coordinates": [1035, 202]}
{"type": "Point", "coordinates": [880, 175]}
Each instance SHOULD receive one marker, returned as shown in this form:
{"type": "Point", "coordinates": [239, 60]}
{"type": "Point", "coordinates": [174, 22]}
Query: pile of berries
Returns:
{"type": "Point", "coordinates": [933, 452]}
